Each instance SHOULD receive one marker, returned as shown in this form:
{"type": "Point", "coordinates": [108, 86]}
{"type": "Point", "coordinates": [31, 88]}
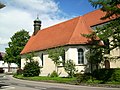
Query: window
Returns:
{"type": "Point", "coordinates": [42, 58]}
{"type": "Point", "coordinates": [80, 56]}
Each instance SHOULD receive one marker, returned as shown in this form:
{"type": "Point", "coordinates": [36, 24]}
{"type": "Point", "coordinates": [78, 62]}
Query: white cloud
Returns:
{"type": "Point", "coordinates": [19, 14]}
{"type": "Point", "coordinates": [44, 6]}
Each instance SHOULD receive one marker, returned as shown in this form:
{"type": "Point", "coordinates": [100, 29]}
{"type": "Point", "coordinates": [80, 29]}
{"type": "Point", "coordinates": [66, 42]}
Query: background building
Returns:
{"type": "Point", "coordinates": [4, 65]}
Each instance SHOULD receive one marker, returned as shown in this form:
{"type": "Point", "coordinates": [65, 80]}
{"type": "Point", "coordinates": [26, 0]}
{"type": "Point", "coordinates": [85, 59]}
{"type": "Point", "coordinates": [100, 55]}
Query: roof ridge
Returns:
{"type": "Point", "coordinates": [59, 23]}
{"type": "Point", "coordinates": [85, 23]}
{"type": "Point", "coordinates": [74, 29]}
{"type": "Point", "coordinates": [92, 12]}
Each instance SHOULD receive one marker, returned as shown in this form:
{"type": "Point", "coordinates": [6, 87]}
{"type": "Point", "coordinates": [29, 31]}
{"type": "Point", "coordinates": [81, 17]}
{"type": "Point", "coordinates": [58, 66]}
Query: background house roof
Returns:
{"type": "Point", "coordinates": [3, 54]}
{"type": "Point", "coordinates": [65, 33]}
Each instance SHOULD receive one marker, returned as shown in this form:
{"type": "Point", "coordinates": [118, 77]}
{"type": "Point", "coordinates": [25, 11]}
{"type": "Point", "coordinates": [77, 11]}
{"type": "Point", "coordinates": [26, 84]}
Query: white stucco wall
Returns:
{"type": "Point", "coordinates": [71, 52]}
{"type": "Point", "coordinates": [115, 53]}
{"type": "Point", "coordinates": [48, 66]}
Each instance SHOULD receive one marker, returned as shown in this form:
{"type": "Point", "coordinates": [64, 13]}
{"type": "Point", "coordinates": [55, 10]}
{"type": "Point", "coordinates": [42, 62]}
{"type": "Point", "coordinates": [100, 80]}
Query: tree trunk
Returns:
{"type": "Point", "coordinates": [92, 70]}
{"type": "Point", "coordinates": [8, 67]}
{"type": "Point", "coordinates": [97, 66]}
{"type": "Point", "coordinates": [91, 67]}
{"type": "Point", "coordinates": [56, 68]}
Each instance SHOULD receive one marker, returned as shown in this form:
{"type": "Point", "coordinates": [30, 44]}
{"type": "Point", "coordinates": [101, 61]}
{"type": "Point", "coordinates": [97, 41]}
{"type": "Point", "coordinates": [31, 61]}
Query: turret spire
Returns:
{"type": "Point", "coordinates": [37, 25]}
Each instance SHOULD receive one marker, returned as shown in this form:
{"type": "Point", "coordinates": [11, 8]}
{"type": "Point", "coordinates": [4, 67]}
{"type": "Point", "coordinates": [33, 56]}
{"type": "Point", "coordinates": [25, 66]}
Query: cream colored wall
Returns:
{"type": "Point", "coordinates": [36, 58]}
{"type": "Point", "coordinates": [48, 65]}
{"type": "Point", "coordinates": [23, 61]}
{"type": "Point", "coordinates": [114, 64]}
{"type": "Point", "coordinates": [72, 53]}
{"type": "Point", "coordinates": [115, 53]}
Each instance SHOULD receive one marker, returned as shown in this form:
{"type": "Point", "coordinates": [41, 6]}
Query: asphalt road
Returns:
{"type": "Point", "coordinates": [10, 83]}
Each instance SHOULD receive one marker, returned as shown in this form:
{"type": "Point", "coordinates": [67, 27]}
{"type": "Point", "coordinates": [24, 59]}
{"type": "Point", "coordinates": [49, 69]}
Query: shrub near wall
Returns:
{"type": "Point", "coordinates": [107, 74]}
{"type": "Point", "coordinates": [116, 75]}
{"type": "Point", "coordinates": [31, 69]}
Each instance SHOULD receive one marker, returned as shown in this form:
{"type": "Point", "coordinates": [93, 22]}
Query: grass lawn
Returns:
{"type": "Point", "coordinates": [70, 81]}
{"type": "Point", "coordinates": [48, 79]}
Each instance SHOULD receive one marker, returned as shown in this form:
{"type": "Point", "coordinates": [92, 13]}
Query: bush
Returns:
{"type": "Point", "coordinates": [54, 74]}
{"type": "Point", "coordinates": [107, 74]}
{"type": "Point", "coordinates": [103, 74]}
{"type": "Point", "coordinates": [83, 77]}
{"type": "Point", "coordinates": [19, 71]}
{"type": "Point", "coordinates": [31, 69]}
{"type": "Point", "coordinates": [115, 76]}
{"type": "Point", "coordinates": [70, 68]}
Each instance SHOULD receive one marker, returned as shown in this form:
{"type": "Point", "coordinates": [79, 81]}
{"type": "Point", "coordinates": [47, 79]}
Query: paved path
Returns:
{"type": "Point", "coordinates": [16, 84]}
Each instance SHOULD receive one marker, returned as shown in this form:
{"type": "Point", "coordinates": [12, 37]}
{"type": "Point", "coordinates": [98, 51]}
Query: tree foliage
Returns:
{"type": "Point", "coordinates": [110, 30]}
{"type": "Point", "coordinates": [95, 52]}
{"type": "Point", "coordinates": [29, 57]}
{"type": "Point", "coordinates": [17, 43]}
{"type": "Point", "coordinates": [54, 74]}
{"type": "Point", "coordinates": [70, 68]}
{"type": "Point", "coordinates": [111, 7]}
{"type": "Point", "coordinates": [94, 56]}
{"type": "Point", "coordinates": [55, 54]}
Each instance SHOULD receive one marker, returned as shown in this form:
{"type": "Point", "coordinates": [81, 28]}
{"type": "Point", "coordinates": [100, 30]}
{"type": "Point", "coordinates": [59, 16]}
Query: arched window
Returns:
{"type": "Point", "coordinates": [80, 56]}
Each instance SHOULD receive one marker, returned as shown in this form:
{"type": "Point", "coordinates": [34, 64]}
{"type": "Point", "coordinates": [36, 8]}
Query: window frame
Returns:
{"type": "Point", "coordinates": [80, 56]}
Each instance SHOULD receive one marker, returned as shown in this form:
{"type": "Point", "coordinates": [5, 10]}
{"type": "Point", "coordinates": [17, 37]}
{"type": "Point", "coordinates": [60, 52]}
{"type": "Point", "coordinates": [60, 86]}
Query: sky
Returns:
{"type": "Point", "coordinates": [20, 14]}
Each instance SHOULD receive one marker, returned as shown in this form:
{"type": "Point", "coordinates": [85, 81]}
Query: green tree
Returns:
{"type": "Point", "coordinates": [70, 68]}
{"type": "Point", "coordinates": [94, 56]}
{"type": "Point", "coordinates": [16, 45]}
{"type": "Point", "coordinates": [55, 54]}
{"type": "Point", "coordinates": [112, 28]}
{"type": "Point", "coordinates": [29, 57]}
{"type": "Point", "coordinates": [8, 58]}
{"type": "Point", "coordinates": [111, 7]}
{"type": "Point", "coordinates": [95, 52]}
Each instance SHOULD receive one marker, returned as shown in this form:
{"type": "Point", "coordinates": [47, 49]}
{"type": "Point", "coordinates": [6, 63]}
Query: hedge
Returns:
{"type": "Point", "coordinates": [107, 74]}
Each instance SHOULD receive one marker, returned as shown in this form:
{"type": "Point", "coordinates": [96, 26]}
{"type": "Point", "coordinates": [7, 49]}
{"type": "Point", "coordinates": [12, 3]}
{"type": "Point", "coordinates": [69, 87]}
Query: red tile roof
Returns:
{"type": "Point", "coordinates": [65, 33]}
{"type": "Point", "coordinates": [94, 18]}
